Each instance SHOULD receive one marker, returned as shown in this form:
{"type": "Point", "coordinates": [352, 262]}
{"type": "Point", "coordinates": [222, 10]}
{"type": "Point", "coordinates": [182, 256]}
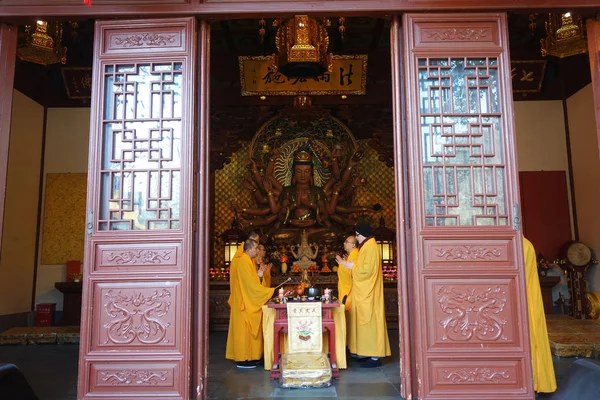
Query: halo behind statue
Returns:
{"type": "Point", "coordinates": [321, 137]}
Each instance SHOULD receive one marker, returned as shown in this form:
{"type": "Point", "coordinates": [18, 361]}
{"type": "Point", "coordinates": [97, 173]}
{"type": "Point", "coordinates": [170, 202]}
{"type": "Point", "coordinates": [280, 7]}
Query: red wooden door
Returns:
{"type": "Point", "coordinates": [468, 291]}
{"type": "Point", "coordinates": [136, 314]}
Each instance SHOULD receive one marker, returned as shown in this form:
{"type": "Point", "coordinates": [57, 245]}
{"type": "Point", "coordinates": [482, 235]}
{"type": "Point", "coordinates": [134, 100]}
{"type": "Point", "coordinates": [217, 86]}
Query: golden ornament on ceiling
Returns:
{"type": "Point", "coordinates": [42, 43]}
{"type": "Point", "coordinates": [302, 44]}
{"type": "Point", "coordinates": [565, 36]}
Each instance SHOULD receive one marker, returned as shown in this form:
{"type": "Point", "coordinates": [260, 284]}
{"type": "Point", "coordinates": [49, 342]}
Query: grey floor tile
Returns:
{"type": "Point", "coordinates": [364, 375]}
{"type": "Point", "coordinates": [367, 390]}
{"type": "Point", "coordinates": [314, 393]}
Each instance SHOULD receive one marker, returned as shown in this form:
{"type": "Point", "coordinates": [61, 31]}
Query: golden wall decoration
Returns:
{"type": "Point", "coordinates": [348, 76]}
{"type": "Point", "coordinates": [227, 190]}
{"type": "Point", "coordinates": [63, 233]}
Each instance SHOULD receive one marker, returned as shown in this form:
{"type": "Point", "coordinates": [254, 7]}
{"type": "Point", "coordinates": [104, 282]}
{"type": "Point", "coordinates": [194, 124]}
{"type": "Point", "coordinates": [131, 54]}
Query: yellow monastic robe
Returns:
{"type": "Point", "coordinates": [345, 279]}
{"type": "Point", "coordinates": [544, 379]}
{"type": "Point", "coordinates": [367, 330]}
{"type": "Point", "coordinates": [245, 339]}
{"type": "Point", "coordinates": [266, 278]}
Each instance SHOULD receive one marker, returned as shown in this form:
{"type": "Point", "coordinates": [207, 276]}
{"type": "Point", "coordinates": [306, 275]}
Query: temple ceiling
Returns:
{"type": "Point", "coordinates": [235, 118]}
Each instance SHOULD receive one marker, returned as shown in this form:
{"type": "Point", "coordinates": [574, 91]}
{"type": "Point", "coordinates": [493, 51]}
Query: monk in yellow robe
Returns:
{"type": "Point", "coordinates": [544, 379]}
{"type": "Point", "coordinates": [263, 269]}
{"type": "Point", "coordinates": [252, 236]}
{"type": "Point", "coordinates": [367, 331]}
{"type": "Point", "coordinates": [345, 274]}
{"type": "Point", "coordinates": [244, 338]}
{"type": "Point", "coordinates": [240, 250]}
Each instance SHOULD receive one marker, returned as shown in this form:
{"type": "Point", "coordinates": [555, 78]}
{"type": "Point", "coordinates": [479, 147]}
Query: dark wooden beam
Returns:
{"type": "Point", "coordinates": [265, 8]}
{"type": "Point", "coordinates": [377, 34]}
{"type": "Point", "coordinates": [228, 37]}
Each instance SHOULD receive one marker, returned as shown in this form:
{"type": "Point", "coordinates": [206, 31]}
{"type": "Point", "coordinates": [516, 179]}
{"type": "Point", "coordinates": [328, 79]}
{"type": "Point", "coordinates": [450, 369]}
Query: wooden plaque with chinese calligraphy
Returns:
{"type": "Point", "coordinates": [259, 77]}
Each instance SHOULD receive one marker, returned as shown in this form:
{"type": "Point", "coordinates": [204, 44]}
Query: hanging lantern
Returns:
{"type": "Point", "coordinates": [386, 240]}
{"type": "Point", "coordinates": [232, 237]}
{"type": "Point", "coordinates": [302, 44]}
{"type": "Point", "coordinates": [42, 43]}
{"type": "Point", "coordinates": [565, 36]}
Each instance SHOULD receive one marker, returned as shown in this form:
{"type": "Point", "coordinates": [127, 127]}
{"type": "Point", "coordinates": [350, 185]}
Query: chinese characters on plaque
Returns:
{"type": "Point", "coordinates": [527, 76]}
{"type": "Point", "coordinates": [259, 77]}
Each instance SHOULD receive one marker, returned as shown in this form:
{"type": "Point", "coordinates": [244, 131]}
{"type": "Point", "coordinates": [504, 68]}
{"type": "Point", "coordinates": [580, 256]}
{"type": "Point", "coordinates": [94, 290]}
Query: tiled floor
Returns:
{"type": "Point", "coordinates": [52, 372]}
{"type": "Point", "coordinates": [228, 382]}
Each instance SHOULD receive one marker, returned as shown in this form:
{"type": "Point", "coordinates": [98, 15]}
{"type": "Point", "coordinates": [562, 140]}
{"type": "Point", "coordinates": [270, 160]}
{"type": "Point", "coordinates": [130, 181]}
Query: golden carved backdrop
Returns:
{"type": "Point", "coordinates": [379, 188]}
{"type": "Point", "coordinates": [63, 234]}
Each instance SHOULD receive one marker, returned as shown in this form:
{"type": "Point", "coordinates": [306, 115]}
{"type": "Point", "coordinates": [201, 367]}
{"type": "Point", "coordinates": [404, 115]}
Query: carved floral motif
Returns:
{"type": "Point", "coordinates": [134, 376]}
{"type": "Point", "coordinates": [145, 40]}
{"type": "Point", "coordinates": [139, 257]}
{"type": "Point", "coordinates": [475, 375]}
{"type": "Point", "coordinates": [137, 317]}
{"type": "Point", "coordinates": [472, 313]}
{"type": "Point", "coordinates": [456, 34]}
{"type": "Point", "coordinates": [468, 252]}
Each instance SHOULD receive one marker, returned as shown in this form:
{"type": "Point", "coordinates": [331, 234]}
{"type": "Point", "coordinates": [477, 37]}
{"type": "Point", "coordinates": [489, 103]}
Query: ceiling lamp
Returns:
{"type": "Point", "coordinates": [42, 44]}
{"type": "Point", "coordinates": [302, 43]}
{"type": "Point", "coordinates": [564, 38]}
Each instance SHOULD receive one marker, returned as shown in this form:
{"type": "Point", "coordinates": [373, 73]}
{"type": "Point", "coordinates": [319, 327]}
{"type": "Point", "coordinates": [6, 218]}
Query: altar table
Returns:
{"type": "Point", "coordinates": [275, 322]}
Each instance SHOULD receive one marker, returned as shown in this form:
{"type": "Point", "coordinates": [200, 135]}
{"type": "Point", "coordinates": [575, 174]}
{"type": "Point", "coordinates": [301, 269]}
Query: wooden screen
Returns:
{"type": "Point", "coordinates": [136, 330]}
{"type": "Point", "coordinates": [470, 322]}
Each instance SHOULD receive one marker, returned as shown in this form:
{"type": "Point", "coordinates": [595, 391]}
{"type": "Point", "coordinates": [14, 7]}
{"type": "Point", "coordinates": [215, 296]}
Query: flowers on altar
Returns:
{"type": "Point", "coordinates": [543, 265]}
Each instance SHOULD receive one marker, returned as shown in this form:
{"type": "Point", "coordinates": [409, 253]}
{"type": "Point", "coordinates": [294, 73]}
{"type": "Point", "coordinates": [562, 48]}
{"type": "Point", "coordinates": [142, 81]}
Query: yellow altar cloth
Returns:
{"type": "Point", "coordinates": [339, 318]}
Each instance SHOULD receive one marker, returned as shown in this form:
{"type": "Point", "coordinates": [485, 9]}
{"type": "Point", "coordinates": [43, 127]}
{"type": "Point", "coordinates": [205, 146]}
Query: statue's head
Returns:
{"type": "Point", "coordinates": [302, 166]}
{"type": "Point", "coordinates": [303, 157]}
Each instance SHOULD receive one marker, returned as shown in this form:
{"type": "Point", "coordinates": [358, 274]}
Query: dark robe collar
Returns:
{"type": "Point", "coordinates": [365, 241]}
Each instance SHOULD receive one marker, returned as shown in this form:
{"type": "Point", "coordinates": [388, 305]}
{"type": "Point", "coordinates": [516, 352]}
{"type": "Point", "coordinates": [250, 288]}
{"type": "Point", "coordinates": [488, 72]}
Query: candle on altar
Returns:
{"type": "Point", "coordinates": [281, 294]}
{"type": "Point", "coordinates": [327, 294]}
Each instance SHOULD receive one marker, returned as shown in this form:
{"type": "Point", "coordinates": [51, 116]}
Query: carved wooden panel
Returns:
{"type": "Point", "coordinates": [164, 39]}
{"type": "Point", "coordinates": [137, 315]}
{"type": "Point", "coordinates": [471, 314]}
{"type": "Point", "coordinates": [134, 377]}
{"type": "Point", "coordinates": [448, 376]}
{"type": "Point", "coordinates": [434, 34]}
{"type": "Point", "coordinates": [463, 254]}
{"type": "Point", "coordinates": [468, 290]}
{"type": "Point", "coordinates": [159, 257]}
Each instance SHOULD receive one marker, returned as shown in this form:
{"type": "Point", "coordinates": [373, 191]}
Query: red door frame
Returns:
{"type": "Point", "coordinates": [400, 165]}
{"type": "Point", "coordinates": [8, 55]}
{"type": "Point", "coordinates": [203, 178]}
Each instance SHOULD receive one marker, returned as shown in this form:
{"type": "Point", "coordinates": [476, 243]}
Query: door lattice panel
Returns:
{"type": "Point", "coordinates": [461, 140]}
{"type": "Point", "coordinates": [142, 134]}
